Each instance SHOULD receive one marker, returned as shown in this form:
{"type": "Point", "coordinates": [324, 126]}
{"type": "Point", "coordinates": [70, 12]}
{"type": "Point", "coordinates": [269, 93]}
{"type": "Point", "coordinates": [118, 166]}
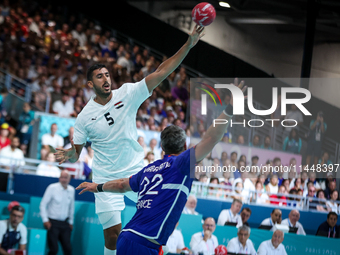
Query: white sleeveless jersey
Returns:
{"type": "Point", "coordinates": [112, 130]}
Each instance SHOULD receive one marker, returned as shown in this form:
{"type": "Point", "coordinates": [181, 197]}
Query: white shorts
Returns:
{"type": "Point", "coordinates": [110, 219]}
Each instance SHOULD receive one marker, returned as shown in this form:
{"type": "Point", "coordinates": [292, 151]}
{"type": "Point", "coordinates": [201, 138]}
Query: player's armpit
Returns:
{"type": "Point", "coordinates": [153, 80]}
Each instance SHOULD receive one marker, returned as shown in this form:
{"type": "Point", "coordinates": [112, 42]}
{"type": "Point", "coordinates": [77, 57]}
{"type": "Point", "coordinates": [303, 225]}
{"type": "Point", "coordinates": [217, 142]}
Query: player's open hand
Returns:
{"type": "Point", "coordinates": [240, 86]}
{"type": "Point", "coordinates": [87, 186]}
{"type": "Point", "coordinates": [63, 155]}
{"type": "Point", "coordinates": [195, 35]}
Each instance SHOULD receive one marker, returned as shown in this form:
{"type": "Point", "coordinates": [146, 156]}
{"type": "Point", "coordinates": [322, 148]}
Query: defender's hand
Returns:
{"type": "Point", "coordinates": [87, 186]}
{"type": "Point", "coordinates": [240, 86]}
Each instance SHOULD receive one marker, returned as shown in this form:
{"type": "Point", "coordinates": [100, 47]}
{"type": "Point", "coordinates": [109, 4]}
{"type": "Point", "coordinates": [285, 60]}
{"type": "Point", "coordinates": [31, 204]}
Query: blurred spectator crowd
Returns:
{"type": "Point", "coordinates": [236, 177]}
{"type": "Point", "coordinates": [51, 53]}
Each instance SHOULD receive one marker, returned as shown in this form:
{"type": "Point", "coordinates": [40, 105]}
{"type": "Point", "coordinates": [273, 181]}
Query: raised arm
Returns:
{"type": "Point", "coordinates": [117, 186]}
{"type": "Point", "coordinates": [215, 134]}
{"type": "Point", "coordinates": [168, 66]}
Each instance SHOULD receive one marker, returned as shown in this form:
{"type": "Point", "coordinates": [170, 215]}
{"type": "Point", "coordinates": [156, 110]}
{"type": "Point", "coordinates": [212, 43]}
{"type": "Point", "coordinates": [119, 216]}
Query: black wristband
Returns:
{"type": "Point", "coordinates": [229, 110]}
{"type": "Point", "coordinates": [100, 187]}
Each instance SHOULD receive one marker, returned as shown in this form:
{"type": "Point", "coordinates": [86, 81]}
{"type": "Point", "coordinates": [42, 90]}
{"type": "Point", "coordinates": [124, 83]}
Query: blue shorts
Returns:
{"type": "Point", "coordinates": [130, 243]}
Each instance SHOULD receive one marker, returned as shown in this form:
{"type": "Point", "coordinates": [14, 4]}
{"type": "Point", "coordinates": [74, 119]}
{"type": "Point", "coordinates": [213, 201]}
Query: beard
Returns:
{"type": "Point", "coordinates": [101, 92]}
{"type": "Point", "coordinates": [191, 210]}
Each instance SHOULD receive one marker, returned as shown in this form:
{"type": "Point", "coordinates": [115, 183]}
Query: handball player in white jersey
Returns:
{"type": "Point", "coordinates": [109, 121]}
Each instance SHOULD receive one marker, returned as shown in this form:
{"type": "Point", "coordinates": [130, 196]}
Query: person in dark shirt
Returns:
{"type": "Point", "coordinates": [245, 215]}
{"type": "Point", "coordinates": [311, 190]}
{"type": "Point", "coordinates": [180, 92]}
{"type": "Point", "coordinates": [111, 49]}
{"type": "Point", "coordinates": [329, 228]}
{"type": "Point", "coordinates": [330, 188]}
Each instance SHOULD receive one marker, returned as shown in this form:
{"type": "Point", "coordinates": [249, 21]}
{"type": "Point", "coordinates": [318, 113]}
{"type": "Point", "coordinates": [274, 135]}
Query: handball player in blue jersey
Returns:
{"type": "Point", "coordinates": [163, 187]}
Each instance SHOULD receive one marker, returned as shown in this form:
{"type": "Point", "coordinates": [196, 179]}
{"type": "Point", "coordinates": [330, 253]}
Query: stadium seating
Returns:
{"type": "Point", "coordinates": [87, 238]}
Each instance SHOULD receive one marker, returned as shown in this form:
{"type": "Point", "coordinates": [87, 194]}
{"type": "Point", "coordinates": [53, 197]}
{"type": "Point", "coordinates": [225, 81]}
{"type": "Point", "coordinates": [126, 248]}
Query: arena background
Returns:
{"type": "Point", "coordinates": [134, 24]}
{"type": "Point", "coordinates": [157, 34]}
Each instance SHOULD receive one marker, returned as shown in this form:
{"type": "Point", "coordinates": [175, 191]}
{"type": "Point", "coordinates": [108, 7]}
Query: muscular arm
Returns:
{"type": "Point", "coordinates": [116, 186]}
{"type": "Point", "coordinates": [211, 138]}
{"type": "Point", "coordinates": [168, 66]}
{"type": "Point", "coordinates": [215, 133]}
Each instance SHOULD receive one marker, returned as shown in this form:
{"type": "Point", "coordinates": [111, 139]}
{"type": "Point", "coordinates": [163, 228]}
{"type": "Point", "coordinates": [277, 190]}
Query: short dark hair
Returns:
{"type": "Point", "coordinates": [246, 209]}
{"type": "Point", "coordinates": [173, 139]}
{"type": "Point", "coordinates": [293, 191]}
{"type": "Point", "coordinates": [234, 152]}
{"type": "Point", "coordinates": [296, 133]}
{"type": "Point", "coordinates": [331, 213]}
{"type": "Point", "coordinates": [276, 159]}
{"type": "Point", "coordinates": [333, 192]}
{"type": "Point", "coordinates": [309, 182]}
{"type": "Point", "coordinates": [240, 160]}
{"type": "Point", "coordinates": [296, 181]}
{"type": "Point", "coordinates": [255, 157]}
{"type": "Point", "coordinates": [274, 210]}
{"type": "Point", "coordinates": [92, 68]}
{"type": "Point", "coordinates": [214, 178]}
{"type": "Point", "coordinates": [236, 200]}
{"type": "Point", "coordinates": [319, 191]}
{"type": "Point", "coordinates": [18, 208]}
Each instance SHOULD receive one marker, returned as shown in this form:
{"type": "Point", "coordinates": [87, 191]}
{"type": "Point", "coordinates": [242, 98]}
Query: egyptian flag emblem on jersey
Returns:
{"type": "Point", "coordinates": [119, 104]}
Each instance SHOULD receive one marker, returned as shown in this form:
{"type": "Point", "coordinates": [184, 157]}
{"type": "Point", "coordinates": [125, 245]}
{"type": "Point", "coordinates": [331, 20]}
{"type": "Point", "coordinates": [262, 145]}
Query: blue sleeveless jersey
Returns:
{"type": "Point", "coordinates": [163, 188]}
